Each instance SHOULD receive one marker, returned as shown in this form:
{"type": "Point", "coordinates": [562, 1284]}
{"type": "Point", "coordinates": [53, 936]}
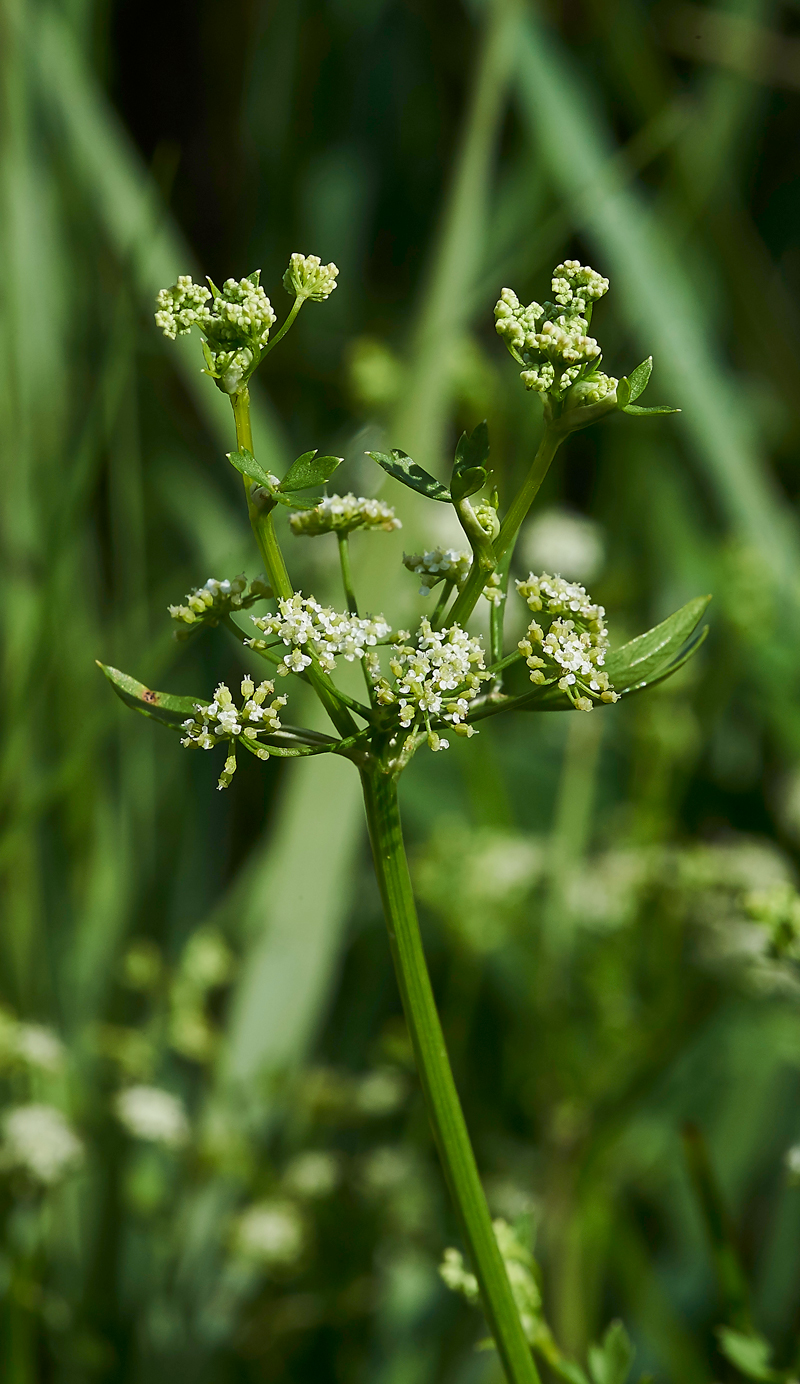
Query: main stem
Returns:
{"type": "Point", "coordinates": [433, 1065]}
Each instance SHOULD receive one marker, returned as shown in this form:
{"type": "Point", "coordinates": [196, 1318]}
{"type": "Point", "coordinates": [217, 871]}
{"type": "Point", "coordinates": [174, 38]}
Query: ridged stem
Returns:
{"type": "Point", "coordinates": [433, 1065]}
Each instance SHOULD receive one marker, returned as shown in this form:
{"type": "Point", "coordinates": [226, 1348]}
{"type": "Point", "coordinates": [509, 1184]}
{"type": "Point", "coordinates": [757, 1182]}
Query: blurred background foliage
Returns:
{"type": "Point", "coordinates": [215, 1163]}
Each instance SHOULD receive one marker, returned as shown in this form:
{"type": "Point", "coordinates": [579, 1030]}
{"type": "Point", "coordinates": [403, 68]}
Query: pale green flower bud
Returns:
{"type": "Point", "coordinates": [343, 514]}
{"type": "Point", "coordinates": [308, 277]}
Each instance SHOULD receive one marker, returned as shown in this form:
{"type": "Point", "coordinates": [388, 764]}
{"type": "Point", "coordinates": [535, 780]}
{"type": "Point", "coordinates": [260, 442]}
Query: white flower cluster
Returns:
{"type": "Point", "coordinates": [448, 564]}
{"type": "Point", "coordinates": [559, 352]}
{"type": "Point", "coordinates": [39, 1141]}
{"type": "Point", "coordinates": [148, 1112]}
{"type": "Point", "coordinates": [308, 277]}
{"type": "Point", "coordinates": [437, 678]}
{"type": "Point", "coordinates": [440, 564]}
{"type": "Point", "coordinates": [343, 514]}
{"type": "Point", "coordinates": [209, 603]}
{"type": "Point", "coordinates": [29, 1045]}
{"type": "Point", "coordinates": [221, 721]}
{"type": "Point", "coordinates": [309, 628]}
{"type": "Point", "coordinates": [270, 1233]}
{"type": "Point", "coordinates": [570, 651]}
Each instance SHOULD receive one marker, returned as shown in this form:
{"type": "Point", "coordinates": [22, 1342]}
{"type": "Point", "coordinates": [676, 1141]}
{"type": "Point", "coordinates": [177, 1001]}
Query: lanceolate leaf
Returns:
{"type": "Point", "coordinates": [654, 654]}
{"type": "Point", "coordinates": [407, 472]}
{"type": "Point", "coordinates": [308, 470]}
{"type": "Point", "coordinates": [162, 706]}
{"type": "Point", "coordinates": [638, 379]}
{"type": "Point", "coordinates": [662, 408]}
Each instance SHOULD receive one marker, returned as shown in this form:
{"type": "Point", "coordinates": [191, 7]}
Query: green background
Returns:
{"type": "Point", "coordinates": [584, 881]}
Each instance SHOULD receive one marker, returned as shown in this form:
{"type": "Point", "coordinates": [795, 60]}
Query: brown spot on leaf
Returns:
{"type": "Point", "coordinates": [148, 696]}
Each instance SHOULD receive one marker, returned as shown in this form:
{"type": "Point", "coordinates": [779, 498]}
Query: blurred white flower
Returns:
{"type": "Point", "coordinates": [382, 1091]}
{"type": "Point", "coordinates": [312, 1174]}
{"type": "Point", "coordinates": [791, 1162]}
{"type": "Point", "coordinates": [39, 1047]}
{"type": "Point", "coordinates": [559, 541]}
{"type": "Point", "coordinates": [270, 1232]}
{"type": "Point", "coordinates": [385, 1169]}
{"type": "Point", "coordinates": [38, 1139]}
{"type": "Point", "coordinates": [147, 1112]}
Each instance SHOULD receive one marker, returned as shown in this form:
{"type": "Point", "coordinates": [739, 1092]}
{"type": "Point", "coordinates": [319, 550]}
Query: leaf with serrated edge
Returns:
{"type": "Point", "coordinates": [639, 378]}
{"type": "Point", "coordinates": [407, 472]}
{"type": "Point", "coordinates": [245, 462]}
{"type": "Point", "coordinates": [308, 470]}
{"type": "Point", "coordinates": [473, 448]}
{"type": "Point", "coordinates": [162, 706]}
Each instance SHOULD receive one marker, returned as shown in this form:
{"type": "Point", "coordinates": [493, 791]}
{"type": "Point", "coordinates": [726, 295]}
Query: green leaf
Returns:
{"type": "Point", "coordinates": [623, 393]}
{"type": "Point", "coordinates": [610, 1362]}
{"type": "Point", "coordinates": [639, 378]}
{"type": "Point", "coordinates": [750, 1353]}
{"type": "Point", "coordinates": [162, 706]}
{"type": "Point", "coordinates": [469, 467]}
{"type": "Point", "coordinates": [245, 462]}
{"type": "Point", "coordinates": [473, 449]}
{"type": "Point", "coordinates": [407, 472]}
{"type": "Point", "coordinates": [657, 653]}
{"type": "Point", "coordinates": [661, 408]}
{"type": "Point", "coordinates": [309, 469]}
{"type": "Point", "coordinates": [465, 483]}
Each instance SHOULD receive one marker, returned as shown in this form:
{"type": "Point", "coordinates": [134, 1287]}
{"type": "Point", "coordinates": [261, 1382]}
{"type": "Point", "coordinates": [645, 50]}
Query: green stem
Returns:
{"type": "Point", "coordinates": [260, 521]}
{"type": "Point", "coordinates": [441, 604]}
{"type": "Point", "coordinates": [507, 537]}
{"type": "Point", "coordinates": [498, 611]}
{"type": "Point", "coordinates": [347, 573]}
{"type": "Point", "coordinates": [433, 1065]}
{"type": "Point", "coordinates": [280, 334]}
{"type": "Point", "coordinates": [274, 565]}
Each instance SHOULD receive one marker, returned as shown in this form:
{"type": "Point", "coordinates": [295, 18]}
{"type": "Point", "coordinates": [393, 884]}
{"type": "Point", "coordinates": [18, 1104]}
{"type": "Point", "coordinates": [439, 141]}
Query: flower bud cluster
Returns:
{"type": "Point", "coordinates": [309, 628]}
{"type": "Point", "coordinates": [449, 564]}
{"type": "Point", "coordinates": [221, 721]}
{"type": "Point", "coordinates": [440, 564]}
{"type": "Point", "coordinates": [552, 341]}
{"type": "Point", "coordinates": [435, 678]}
{"type": "Point", "coordinates": [308, 277]}
{"type": "Point", "coordinates": [210, 603]}
{"type": "Point", "coordinates": [570, 644]}
{"type": "Point", "coordinates": [235, 322]}
{"type": "Point", "coordinates": [343, 514]}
